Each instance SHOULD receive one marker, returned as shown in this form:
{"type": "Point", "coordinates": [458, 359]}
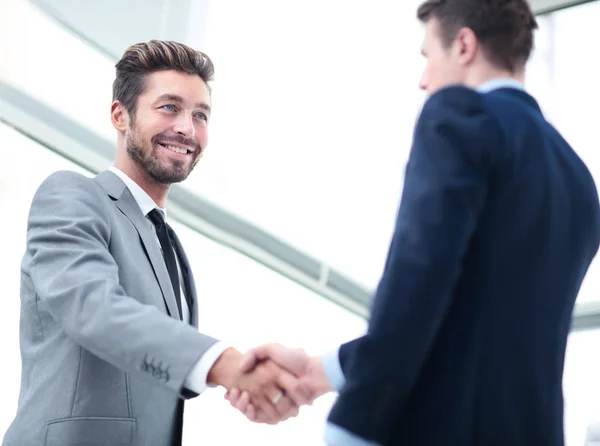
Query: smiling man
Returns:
{"type": "Point", "coordinates": [109, 315]}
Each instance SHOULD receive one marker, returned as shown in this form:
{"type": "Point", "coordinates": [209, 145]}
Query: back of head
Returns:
{"type": "Point", "coordinates": [142, 59]}
{"type": "Point", "coordinates": [504, 28]}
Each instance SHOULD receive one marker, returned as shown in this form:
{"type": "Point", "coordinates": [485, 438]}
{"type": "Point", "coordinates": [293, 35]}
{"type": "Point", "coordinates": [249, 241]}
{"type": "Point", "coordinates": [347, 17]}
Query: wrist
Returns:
{"type": "Point", "coordinates": [225, 369]}
{"type": "Point", "coordinates": [318, 377]}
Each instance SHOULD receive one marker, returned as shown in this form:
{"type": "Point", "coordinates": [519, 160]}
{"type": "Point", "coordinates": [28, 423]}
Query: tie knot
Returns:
{"type": "Point", "coordinates": [156, 217]}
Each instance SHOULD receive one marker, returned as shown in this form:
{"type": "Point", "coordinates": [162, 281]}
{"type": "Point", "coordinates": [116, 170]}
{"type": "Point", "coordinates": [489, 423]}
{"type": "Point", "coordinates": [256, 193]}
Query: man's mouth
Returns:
{"type": "Point", "coordinates": [176, 149]}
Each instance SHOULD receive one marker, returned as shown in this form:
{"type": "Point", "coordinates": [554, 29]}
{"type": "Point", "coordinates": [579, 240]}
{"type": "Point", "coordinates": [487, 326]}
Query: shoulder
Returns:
{"type": "Point", "coordinates": [460, 112]}
{"type": "Point", "coordinates": [457, 102]}
{"type": "Point", "coordinates": [66, 178]}
{"type": "Point", "coordinates": [458, 98]}
{"type": "Point", "coordinates": [67, 183]}
{"type": "Point", "coordinates": [68, 189]}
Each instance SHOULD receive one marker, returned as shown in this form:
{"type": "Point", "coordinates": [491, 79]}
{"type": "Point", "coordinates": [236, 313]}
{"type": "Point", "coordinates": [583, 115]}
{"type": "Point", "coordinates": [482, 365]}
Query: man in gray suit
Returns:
{"type": "Point", "coordinates": [109, 313]}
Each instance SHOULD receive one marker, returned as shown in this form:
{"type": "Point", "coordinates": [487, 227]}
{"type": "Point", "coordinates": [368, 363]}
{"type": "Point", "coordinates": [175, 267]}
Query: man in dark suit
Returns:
{"type": "Point", "coordinates": [498, 223]}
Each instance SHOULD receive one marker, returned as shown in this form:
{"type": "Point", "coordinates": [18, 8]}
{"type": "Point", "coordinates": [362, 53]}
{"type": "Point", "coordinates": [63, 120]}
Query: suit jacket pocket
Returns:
{"type": "Point", "coordinates": [90, 431]}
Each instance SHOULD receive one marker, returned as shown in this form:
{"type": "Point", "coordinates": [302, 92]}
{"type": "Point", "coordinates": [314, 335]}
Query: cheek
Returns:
{"type": "Point", "coordinates": [202, 137]}
{"type": "Point", "coordinates": [142, 137]}
{"type": "Point", "coordinates": [433, 69]}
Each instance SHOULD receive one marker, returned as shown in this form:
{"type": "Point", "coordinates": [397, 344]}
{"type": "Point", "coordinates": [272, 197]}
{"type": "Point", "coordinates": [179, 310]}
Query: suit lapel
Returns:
{"type": "Point", "coordinates": [117, 190]}
{"type": "Point", "coordinates": [188, 279]}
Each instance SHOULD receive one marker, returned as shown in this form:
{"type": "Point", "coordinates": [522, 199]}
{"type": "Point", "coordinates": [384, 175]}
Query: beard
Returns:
{"type": "Point", "coordinates": [172, 171]}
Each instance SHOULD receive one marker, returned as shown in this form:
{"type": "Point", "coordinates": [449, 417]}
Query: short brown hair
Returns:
{"type": "Point", "coordinates": [503, 27]}
{"type": "Point", "coordinates": [142, 59]}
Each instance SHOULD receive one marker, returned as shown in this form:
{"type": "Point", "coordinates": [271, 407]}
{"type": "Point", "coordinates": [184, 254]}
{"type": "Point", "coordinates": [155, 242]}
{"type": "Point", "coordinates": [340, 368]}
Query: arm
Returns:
{"type": "Point", "coordinates": [197, 381]}
{"type": "Point", "coordinates": [444, 193]}
{"type": "Point", "coordinates": [77, 282]}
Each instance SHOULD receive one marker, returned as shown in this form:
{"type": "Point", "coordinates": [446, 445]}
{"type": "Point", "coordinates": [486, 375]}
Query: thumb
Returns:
{"type": "Point", "coordinates": [255, 355]}
{"type": "Point", "coordinates": [274, 352]}
{"type": "Point", "coordinates": [249, 361]}
{"type": "Point", "coordinates": [293, 360]}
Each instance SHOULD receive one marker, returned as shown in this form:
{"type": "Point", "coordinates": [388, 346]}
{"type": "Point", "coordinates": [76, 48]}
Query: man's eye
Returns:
{"type": "Point", "coordinates": [168, 107]}
{"type": "Point", "coordinates": [202, 116]}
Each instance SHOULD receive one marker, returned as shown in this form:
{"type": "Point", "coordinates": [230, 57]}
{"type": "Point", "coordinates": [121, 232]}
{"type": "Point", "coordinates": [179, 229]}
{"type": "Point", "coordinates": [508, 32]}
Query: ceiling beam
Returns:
{"type": "Point", "coordinates": [546, 6]}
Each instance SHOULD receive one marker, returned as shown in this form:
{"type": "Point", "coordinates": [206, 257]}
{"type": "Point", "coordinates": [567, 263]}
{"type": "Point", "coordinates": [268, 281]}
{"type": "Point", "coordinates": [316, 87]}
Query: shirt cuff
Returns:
{"type": "Point", "coordinates": [333, 369]}
{"type": "Point", "coordinates": [338, 436]}
{"type": "Point", "coordinates": [196, 380]}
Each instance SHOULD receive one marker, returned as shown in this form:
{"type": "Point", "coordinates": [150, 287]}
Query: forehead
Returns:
{"type": "Point", "coordinates": [191, 88]}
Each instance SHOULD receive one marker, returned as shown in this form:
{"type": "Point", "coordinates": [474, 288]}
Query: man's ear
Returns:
{"type": "Point", "coordinates": [466, 46]}
{"type": "Point", "coordinates": [119, 116]}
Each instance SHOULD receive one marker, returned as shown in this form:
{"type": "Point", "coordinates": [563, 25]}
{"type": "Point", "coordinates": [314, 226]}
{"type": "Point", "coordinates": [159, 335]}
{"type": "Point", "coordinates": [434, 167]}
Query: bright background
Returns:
{"type": "Point", "coordinates": [314, 105]}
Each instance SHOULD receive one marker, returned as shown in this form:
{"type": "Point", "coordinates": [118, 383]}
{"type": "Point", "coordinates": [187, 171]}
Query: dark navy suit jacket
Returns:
{"type": "Point", "coordinates": [498, 223]}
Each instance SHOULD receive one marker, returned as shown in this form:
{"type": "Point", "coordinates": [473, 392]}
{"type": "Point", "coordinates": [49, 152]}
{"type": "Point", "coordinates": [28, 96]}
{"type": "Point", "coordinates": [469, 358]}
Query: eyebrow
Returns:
{"type": "Point", "coordinates": [177, 98]}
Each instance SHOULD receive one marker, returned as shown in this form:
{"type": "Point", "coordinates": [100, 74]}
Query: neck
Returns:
{"type": "Point", "coordinates": [478, 78]}
{"type": "Point", "coordinates": [157, 191]}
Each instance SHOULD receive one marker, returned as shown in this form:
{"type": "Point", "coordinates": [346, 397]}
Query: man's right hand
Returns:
{"type": "Point", "coordinates": [309, 371]}
{"type": "Point", "coordinates": [263, 387]}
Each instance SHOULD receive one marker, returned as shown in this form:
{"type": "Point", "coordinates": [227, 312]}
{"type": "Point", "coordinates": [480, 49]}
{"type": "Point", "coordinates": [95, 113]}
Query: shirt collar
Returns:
{"type": "Point", "coordinates": [144, 201]}
{"type": "Point", "coordinates": [495, 84]}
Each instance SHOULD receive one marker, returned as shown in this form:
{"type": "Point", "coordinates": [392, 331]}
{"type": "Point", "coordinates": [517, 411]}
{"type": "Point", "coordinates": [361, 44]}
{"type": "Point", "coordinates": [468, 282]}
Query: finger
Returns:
{"type": "Point", "coordinates": [298, 391]}
{"type": "Point", "coordinates": [232, 396]}
{"type": "Point", "coordinates": [243, 402]}
{"type": "Point", "coordinates": [276, 352]}
{"type": "Point", "coordinates": [286, 408]}
{"type": "Point", "coordinates": [250, 413]}
{"type": "Point", "coordinates": [262, 401]}
{"type": "Point", "coordinates": [295, 412]}
{"type": "Point", "coordinates": [260, 416]}
{"type": "Point", "coordinates": [292, 412]}
{"type": "Point", "coordinates": [249, 361]}
{"type": "Point", "coordinates": [279, 401]}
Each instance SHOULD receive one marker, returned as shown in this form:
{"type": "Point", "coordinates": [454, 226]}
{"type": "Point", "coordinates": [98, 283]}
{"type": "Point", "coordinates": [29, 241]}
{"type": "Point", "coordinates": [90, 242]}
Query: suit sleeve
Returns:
{"type": "Point", "coordinates": [76, 280]}
{"type": "Point", "coordinates": [444, 193]}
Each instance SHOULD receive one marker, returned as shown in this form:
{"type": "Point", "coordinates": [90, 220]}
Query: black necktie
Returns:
{"type": "Point", "coordinates": [168, 253]}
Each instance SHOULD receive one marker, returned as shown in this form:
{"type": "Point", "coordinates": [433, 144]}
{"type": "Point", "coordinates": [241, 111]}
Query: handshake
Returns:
{"type": "Point", "coordinates": [271, 382]}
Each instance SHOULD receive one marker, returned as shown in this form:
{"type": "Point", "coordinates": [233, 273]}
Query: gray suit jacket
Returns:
{"type": "Point", "coordinates": [104, 354]}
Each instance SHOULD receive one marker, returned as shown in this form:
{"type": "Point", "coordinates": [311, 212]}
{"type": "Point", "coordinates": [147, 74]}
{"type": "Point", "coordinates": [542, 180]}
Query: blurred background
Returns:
{"type": "Point", "coordinates": [288, 217]}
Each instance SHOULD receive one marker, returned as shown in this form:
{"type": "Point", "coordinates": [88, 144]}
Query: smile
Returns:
{"type": "Point", "coordinates": [176, 149]}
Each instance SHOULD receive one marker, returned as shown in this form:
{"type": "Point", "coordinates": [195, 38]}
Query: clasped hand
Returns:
{"type": "Point", "coordinates": [274, 381]}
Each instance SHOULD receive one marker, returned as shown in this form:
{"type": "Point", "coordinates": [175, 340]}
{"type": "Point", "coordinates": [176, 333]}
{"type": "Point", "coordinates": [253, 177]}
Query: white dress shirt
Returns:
{"type": "Point", "coordinates": [335, 435]}
{"type": "Point", "coordinates": [196, 381]}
